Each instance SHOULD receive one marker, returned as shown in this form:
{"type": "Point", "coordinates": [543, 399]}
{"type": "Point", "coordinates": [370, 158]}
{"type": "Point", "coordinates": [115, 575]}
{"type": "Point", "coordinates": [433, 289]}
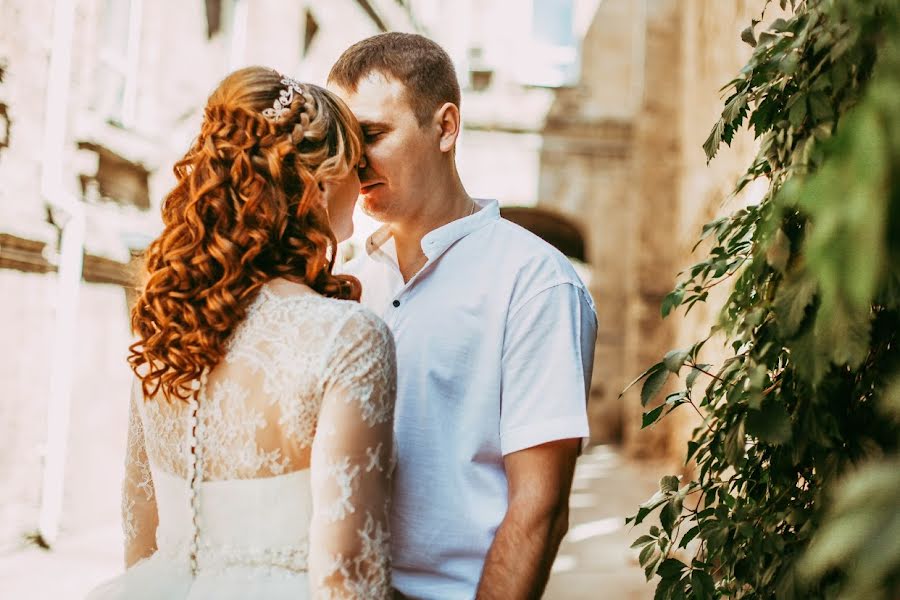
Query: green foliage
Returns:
{"type": "Point", "coordinates": [797, 493]}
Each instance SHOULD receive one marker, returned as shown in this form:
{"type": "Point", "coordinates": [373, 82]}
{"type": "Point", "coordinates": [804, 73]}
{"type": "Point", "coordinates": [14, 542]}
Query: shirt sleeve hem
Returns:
{"type": "Point", "coordinates": [529, 436]}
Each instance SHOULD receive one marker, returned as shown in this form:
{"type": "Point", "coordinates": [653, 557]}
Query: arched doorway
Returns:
{"type": "Point", "coordinates": [555, 229]}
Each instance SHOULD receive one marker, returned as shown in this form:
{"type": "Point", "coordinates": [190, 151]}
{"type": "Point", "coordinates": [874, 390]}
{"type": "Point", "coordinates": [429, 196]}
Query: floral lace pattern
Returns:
{"type": "Point", "coordinates": [307, 382]}
{"type": "Point", "coordinates": [138, 493]}
{"type": "Point", "coordinates": [363, 575]}
{"type": "Point", "coordinates": [351, 537]}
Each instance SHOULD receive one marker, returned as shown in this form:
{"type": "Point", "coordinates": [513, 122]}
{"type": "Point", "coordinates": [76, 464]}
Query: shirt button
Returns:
{"type": "Point", "coordinates": [396, 303]}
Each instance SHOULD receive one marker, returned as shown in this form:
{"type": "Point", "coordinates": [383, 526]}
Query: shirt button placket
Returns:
{"type": "Point", "coordinates": [396, 303]}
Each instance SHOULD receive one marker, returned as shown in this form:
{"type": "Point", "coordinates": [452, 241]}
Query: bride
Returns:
{"type": "Point", "coordinates": [260, 446]}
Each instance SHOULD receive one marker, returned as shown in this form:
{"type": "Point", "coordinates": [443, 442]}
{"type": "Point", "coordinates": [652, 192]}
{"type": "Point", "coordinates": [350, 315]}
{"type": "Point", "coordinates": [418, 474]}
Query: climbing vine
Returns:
{"type": "Point", "coordinates": [797, 483]}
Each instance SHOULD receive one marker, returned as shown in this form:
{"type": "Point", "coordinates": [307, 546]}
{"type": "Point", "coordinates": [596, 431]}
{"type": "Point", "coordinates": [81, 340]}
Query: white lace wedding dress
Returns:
{"type": "Point", "coordinates": [284, 490]}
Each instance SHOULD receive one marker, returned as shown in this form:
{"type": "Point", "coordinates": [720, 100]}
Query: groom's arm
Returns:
{"type": "Point", "coordinates": [548, 354]}
{"type": "Point", "coordinates": [519, 560]}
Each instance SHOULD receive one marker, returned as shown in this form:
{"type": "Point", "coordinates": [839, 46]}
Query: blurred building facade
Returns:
{"type": "Point", "coordinates": [139, 76]}
{"type": "Point", "coordinates": [593, 111]}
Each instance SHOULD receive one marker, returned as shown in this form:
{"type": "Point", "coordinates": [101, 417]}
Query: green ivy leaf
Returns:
{"type": "Point", "coordinates": [771, 424]}
{"type": "Point", "coordinates": [667, 516]}
{"type": "Point", "coordinates": [734, 444]}
{"type": "Point", "coordinates": [712, 143]}
{"type": "Point", "coordinates": [652, 386]}
{"type": "Point", "coordinates": [650, 568]}
{"type": "Point", "coordinates": [670, 568]}
{"type": "Point", "coordinates": [703, 584]}
{"type": "Point", "coordinates": [779, 251]}
{"type": "Point", "coordinates": [789, 64]}
{"type": "Point", "coordinates": [757, 377]}
{"type": "Point", "coordinates": [779, 25]}
{"type": "Point", "coordinates": [797, 114]}
{"type": "Point", "coordinates": [843, 332]}
{"type": "Point", "coordinates": [674, 359]}
{"type": "Point", "coordinates": [766, 38]}
{"type": "Point", "coordinates": [840, 74]}
{"type": "Point", "coordinates": [820, 107]}
{"type": "Point", "coordinates": [669, 483]}
{"type": "Point", "coordinates": [793, 297]}
{"type": "Point", "coordinates": [692, 449]}
{"type": "Point", "coordinates": [646, 554]}
{"type": "Point", "coordinates": [734, 108]}
{"type": "Point", "coordinates": [689, 536]}
{"type": "Point", "coordinates": [672, 301]}
{"type": "Point", "coordinates": [695, 372]}
{"type": "Point", "coordinates": [808, 360]}
{"type": "Point", "coordinates": [676, 399]}
{"type": "Point", "coordinates": [652, 417]}
{"type": "Point", "coordinates": [657, 367]}
{"type": "Point", "coordinates": [748, 36]}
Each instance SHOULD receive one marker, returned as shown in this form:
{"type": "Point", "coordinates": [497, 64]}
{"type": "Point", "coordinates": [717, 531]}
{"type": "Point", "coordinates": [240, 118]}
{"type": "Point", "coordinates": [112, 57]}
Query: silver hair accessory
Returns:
{"type": "Point", "coordinates": [285, 98]}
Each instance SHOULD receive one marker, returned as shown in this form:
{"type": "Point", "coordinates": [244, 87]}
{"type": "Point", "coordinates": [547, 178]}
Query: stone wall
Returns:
{"type": "Point", "coordinates": [586, 174]}
{"type": "Point", "coordinates": [655, 200]}
{"type": "Point", "coordinates": [693, 49]}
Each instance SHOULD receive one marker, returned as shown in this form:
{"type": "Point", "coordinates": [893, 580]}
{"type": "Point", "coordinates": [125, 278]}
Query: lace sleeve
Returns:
{"type": "Point", "coordinates": [139, 517]}
{"type": "Point", "coordinates": [352, 461]}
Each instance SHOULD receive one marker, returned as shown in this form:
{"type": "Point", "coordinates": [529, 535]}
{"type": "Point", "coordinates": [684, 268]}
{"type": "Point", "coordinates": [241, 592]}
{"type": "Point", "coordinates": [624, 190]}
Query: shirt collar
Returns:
{"type": "Point", "coordinates": [438, 240]}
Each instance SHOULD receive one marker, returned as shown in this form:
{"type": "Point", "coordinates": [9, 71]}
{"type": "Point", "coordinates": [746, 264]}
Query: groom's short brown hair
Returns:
{"type": "Point", "coordinates": [422, 66]}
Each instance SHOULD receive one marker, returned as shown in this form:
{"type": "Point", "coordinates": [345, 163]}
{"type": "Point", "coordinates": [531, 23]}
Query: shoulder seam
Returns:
{"type": "Point", "coordinates": [575, 284]}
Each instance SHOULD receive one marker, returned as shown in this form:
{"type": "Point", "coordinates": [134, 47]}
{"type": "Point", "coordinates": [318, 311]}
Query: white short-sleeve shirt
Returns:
{"type": "Point", "coordinates": [495, 343]}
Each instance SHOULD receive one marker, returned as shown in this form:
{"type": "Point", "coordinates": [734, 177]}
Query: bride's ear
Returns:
{"type": "Point", "coordinates": [323, 192]}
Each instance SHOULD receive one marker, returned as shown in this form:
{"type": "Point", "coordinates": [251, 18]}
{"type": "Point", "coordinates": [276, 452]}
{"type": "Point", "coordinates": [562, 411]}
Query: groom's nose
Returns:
{"type": "Point", "coordinates": [365, 171]}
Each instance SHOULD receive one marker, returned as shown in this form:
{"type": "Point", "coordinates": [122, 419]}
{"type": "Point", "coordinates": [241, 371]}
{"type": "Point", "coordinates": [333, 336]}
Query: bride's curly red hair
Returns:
{"type": "Point", "coordinates": [247, 208]}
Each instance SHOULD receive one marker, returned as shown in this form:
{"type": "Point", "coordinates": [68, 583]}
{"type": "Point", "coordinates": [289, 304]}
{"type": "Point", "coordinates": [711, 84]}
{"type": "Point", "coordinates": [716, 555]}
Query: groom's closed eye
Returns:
{"type": "Point", "coordinates": [372, 132]}
{"type": "Point", "coordinates": [372, 136]}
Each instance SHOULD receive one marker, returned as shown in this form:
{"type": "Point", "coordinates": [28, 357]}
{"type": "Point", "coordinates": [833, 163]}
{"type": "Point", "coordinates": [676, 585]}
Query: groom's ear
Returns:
{"type": "Point", "coordinates": [448, 124]}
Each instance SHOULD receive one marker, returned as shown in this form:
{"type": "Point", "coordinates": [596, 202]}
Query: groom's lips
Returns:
{"type": "Point", "coordinates": [365, 189]}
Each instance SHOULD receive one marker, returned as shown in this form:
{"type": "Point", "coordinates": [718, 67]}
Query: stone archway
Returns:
{"type": "Point", "coordinates": [557, 230]}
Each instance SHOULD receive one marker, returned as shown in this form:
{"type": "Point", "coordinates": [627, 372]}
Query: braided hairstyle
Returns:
{"type": "Point", "coordinates": [246, 208]}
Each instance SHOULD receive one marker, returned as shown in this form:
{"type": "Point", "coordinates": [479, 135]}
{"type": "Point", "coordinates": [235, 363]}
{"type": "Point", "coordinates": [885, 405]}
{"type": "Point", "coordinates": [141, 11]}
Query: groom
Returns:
{"type": "Point", "coordinates": [495, 340]}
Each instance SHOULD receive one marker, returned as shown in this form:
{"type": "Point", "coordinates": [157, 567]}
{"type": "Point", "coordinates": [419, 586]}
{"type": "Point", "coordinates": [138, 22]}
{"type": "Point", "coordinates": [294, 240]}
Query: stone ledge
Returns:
{"type": "Point", "coordinates": [31, 256]}
{"type": "Point", "coordinates": [25, 255]}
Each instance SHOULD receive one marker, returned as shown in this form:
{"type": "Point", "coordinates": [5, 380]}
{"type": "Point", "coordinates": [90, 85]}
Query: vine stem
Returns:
{"type": "Point", "coordinates": [727, 276]}
{"type": "Point", "coordinates": [702, 416]}
{"type": "Point", "coordinates": [705, 372]}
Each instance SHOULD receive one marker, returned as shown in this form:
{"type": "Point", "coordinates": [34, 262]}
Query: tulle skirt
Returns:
{"type": "Point", "coordinates": [161, 578]}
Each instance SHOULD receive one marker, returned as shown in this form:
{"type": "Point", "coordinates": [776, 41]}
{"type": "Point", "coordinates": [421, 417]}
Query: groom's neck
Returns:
{"type": "Point", "coordinates": [436, 210]}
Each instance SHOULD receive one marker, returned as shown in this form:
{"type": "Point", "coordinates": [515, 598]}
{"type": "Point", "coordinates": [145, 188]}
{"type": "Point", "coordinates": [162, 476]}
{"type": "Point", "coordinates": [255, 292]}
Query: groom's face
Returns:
{"type": "Point", "coordinates": [399, 152]}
